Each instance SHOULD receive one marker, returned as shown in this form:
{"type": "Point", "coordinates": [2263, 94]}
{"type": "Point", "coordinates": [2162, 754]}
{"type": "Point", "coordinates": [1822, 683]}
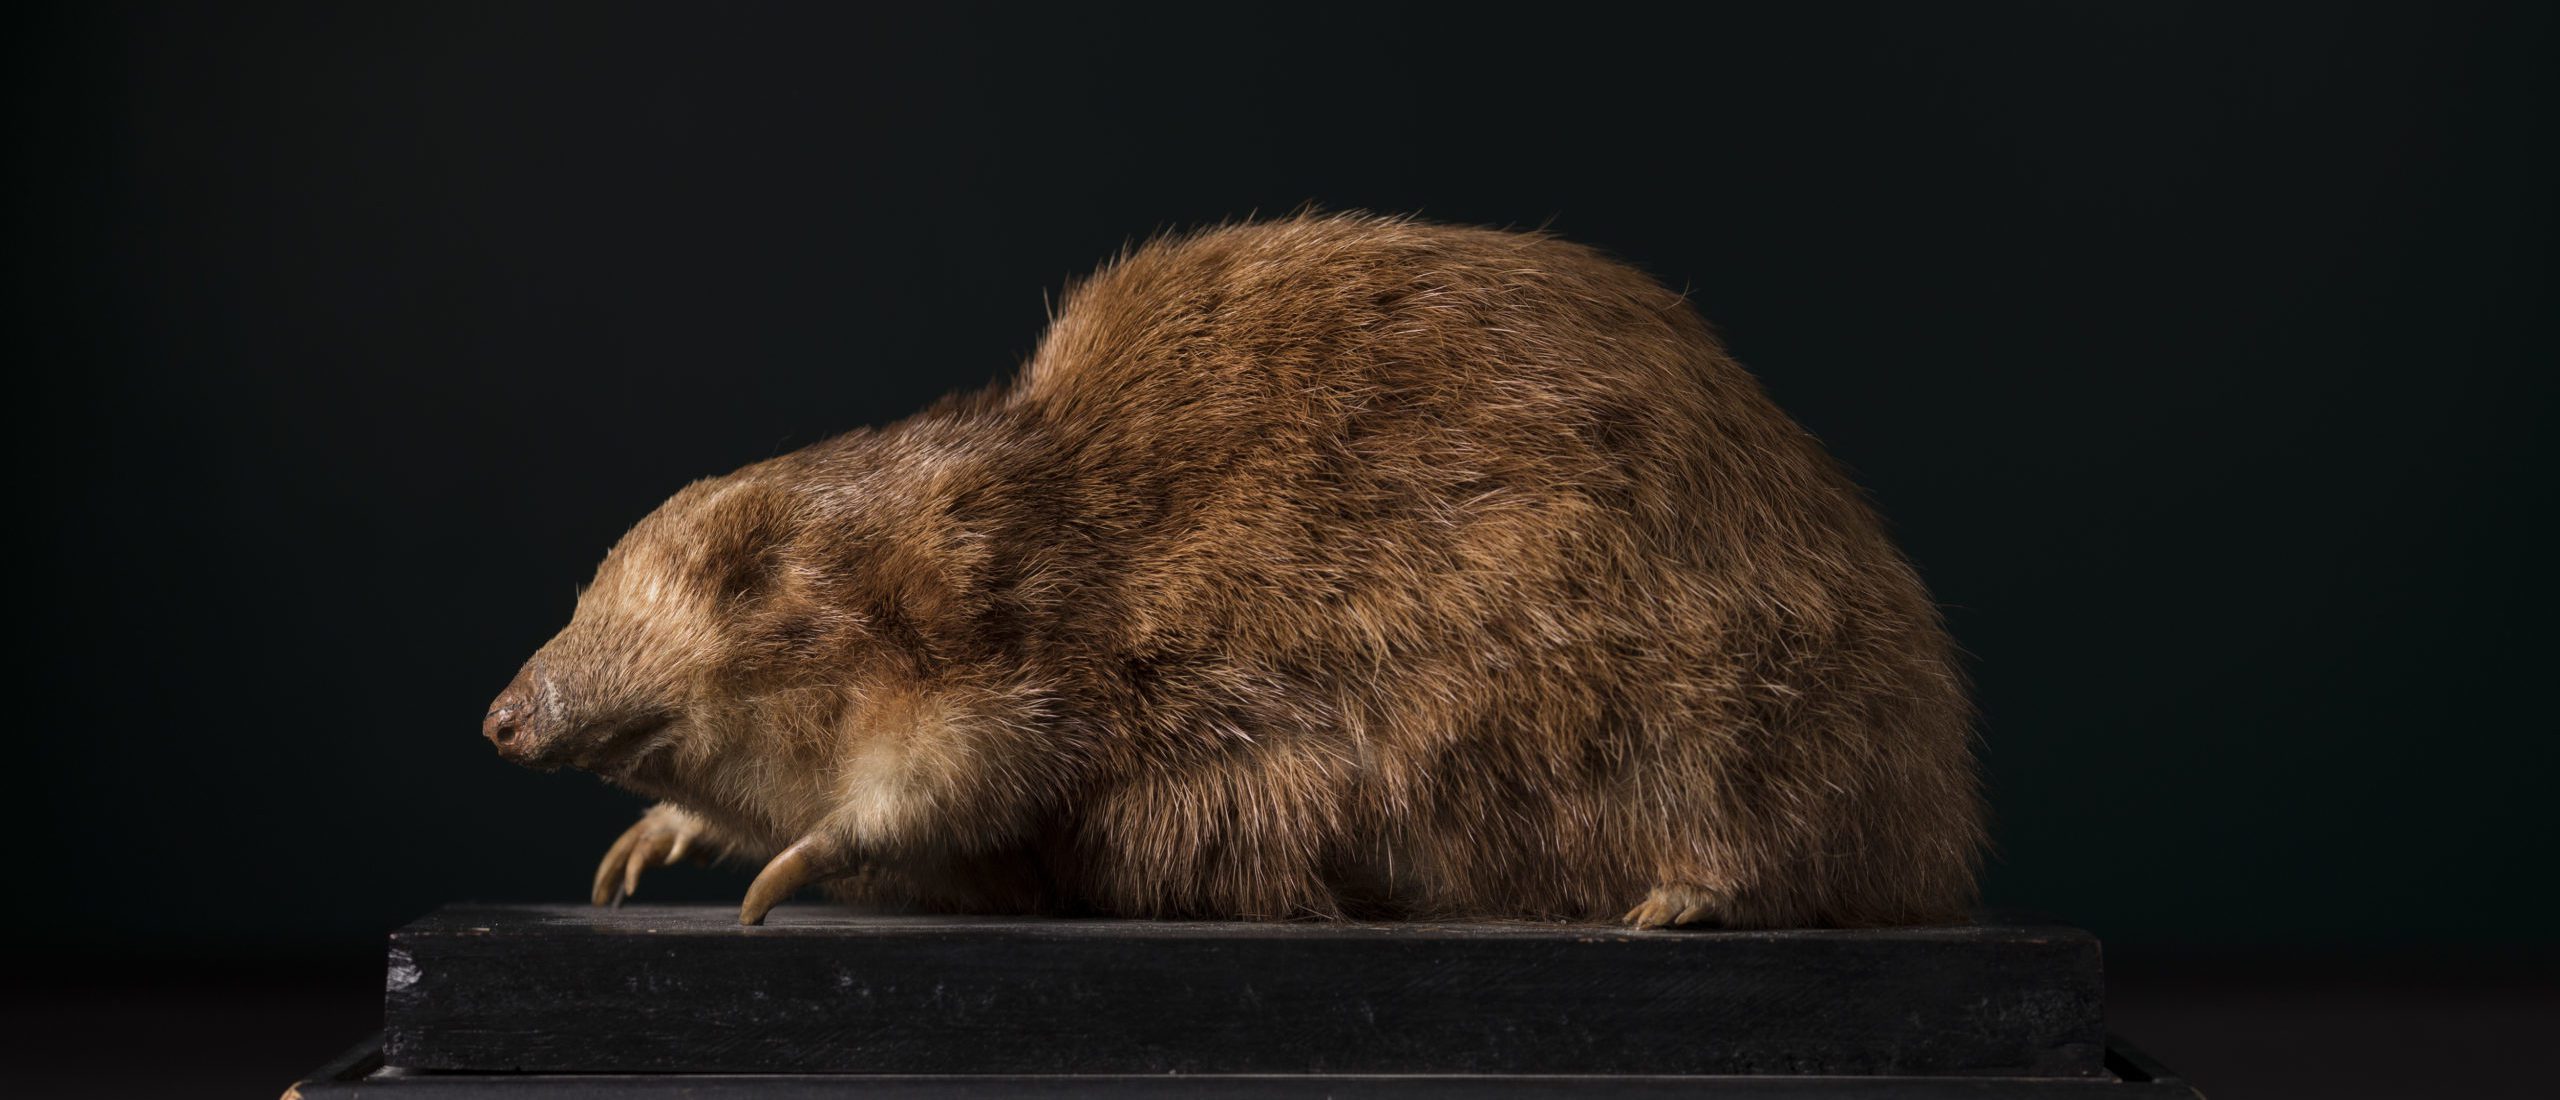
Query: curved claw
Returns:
{"type": "Point", "coordinates": [661, 837]}
{"type": "Point", "coordinates": [799, 865]}
{"type": "Point", "coordinates": [609, 873]}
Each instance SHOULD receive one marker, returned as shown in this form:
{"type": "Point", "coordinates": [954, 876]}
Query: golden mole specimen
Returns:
{"type": "Point", "coordinates": [1325, 567]}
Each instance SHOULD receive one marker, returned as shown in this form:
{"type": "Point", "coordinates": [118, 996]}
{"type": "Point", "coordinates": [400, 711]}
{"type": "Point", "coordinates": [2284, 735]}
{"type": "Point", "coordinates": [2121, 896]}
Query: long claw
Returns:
{"type": "Point", "coordinates": [637, 862]}
{"type": "Point", "coordinates": [614, 860]}
{"type": "Point", "coordinates": [660, 837]}
{"type": "Point", "coordinates": [652, 852]}
{"type": "Point", "coordinates": [796, 867]}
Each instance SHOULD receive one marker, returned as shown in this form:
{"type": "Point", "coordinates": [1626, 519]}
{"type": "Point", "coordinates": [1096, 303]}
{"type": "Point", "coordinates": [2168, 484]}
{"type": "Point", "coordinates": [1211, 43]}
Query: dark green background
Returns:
{"type": "Point", "coordinates": [2199, 357]}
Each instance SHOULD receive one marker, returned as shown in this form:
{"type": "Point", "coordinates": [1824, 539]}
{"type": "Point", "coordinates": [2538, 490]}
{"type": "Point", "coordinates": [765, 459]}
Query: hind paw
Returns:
{"type": "Point", "coordinates": [1674, 903]}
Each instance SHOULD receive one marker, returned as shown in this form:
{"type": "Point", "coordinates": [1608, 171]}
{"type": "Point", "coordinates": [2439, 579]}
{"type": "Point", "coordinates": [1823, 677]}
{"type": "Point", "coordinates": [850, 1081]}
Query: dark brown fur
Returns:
{"type": "Point", "coordinates": [1333, 566]}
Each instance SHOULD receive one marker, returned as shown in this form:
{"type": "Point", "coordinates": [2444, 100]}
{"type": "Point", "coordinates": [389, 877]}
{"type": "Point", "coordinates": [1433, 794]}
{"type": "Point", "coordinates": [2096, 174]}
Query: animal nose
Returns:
{"type": "Point", "coordinates": [505, 723]}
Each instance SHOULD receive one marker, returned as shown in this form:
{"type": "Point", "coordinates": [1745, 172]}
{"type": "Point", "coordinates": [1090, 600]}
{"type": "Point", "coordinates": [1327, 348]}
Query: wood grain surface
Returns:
{"type": "Point", "coordinates": [684, 989]}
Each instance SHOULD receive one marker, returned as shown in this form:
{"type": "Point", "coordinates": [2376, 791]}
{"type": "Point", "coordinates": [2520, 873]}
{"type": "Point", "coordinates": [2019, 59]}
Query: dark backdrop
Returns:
{"type": "Point", "coordinates": [2199, 357]}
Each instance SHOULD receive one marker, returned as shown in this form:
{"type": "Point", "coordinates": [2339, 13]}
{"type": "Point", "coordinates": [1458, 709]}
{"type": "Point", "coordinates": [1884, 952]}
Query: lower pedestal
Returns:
{"type": "Point", "coordinates": [562, 1001]}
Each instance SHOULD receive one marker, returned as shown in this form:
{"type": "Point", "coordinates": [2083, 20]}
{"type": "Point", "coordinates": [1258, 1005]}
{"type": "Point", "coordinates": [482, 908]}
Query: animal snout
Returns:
{"type": "Point", "coordinates": [508, 725]}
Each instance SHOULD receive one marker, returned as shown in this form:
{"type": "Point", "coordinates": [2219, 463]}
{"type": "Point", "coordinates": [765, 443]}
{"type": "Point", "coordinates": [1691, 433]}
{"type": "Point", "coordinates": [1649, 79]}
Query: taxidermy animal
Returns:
{"type": "Point", "coordinates": [1335, 566]}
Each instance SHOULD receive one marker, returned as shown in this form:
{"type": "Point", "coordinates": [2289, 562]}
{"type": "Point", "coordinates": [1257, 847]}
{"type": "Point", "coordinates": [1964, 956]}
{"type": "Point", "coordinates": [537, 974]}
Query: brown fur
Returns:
{"type": "Point", "coordinates": [1332, 566]}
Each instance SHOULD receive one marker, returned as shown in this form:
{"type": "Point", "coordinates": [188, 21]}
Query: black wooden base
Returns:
{"type": "Point", "coordinates": [539, 1001]}
{"type": "Point", "coordinates": [683, 989]}
{"type": "Point", "coordinates": [359, 1073]}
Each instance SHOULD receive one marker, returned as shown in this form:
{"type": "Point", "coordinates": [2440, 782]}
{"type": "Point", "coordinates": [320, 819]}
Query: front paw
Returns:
{"type": "Point", "coordinates": [661, 836]}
